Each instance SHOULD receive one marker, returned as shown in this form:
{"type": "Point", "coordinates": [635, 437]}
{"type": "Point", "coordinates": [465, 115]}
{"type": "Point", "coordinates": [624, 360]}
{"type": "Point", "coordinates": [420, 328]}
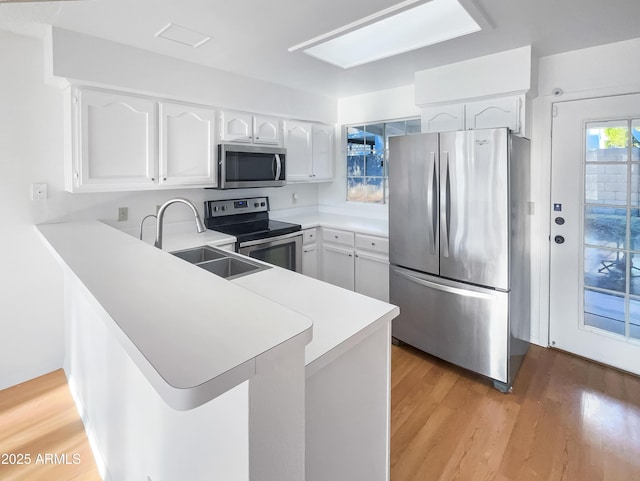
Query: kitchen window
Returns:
{"type": "Point", "coordinates": [367, 157]}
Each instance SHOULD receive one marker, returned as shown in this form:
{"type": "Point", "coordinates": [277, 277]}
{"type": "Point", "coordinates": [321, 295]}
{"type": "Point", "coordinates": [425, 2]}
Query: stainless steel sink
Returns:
{"type": "Point", "coordinates": [200, 254]}
{"type": "Point", "coordinates": [219, 262]}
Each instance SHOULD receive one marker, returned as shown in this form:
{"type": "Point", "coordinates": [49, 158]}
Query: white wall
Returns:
{"type": "Point", "coordinates": [31, 150]}
{"type": "Point", "coordinates": [92, 60]}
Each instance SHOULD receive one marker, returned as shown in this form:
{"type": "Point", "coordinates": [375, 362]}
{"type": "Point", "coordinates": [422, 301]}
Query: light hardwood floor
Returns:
{"type": "Point", "coordinates": [39, 418]}
{"type": "Point", "coordinates": [567, 419]}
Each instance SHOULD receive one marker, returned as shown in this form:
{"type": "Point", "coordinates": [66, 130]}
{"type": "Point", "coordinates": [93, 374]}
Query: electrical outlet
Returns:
{"type": "Point", "coordinates": [123, 214]}
{"type": "Point", "coordinates": [38, 191]}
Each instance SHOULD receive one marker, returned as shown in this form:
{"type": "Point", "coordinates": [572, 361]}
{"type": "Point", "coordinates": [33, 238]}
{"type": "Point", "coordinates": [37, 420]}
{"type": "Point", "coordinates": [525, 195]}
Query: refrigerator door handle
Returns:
{"type": "Point", "coordinates": [443, 288]}
{"type": "Point", "coordinates": [445, 200]}
{"type": "Point", "coordinates": [431, 201]}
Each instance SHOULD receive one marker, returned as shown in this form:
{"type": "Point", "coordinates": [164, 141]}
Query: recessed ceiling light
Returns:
{"type": "Point", "coordinates": [412, 28]}
{"type": "Point", "coordinates": [183, 35]}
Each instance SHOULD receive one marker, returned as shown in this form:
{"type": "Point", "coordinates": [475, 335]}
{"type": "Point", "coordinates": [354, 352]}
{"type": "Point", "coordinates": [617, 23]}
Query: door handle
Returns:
{"type": "Point", "coordinates": [445, 201]}
{"type": "Point", "coordinates": [278, 166]}
{"type": "Point", "coordinates": [451, 290]}
{"type": "Point", "coordinates": [431, 202]}
{"type": "Point", "coordinates": [559, 239]}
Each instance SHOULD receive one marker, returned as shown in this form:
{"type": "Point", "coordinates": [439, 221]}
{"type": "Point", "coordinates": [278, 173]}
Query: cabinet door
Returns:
{"type": "Point", "coordinates": [266, 130]}
{"type": "Point", "coordinates": [322, 152]}
{"type": "Point", "coordinates": [298, 143]}
{"type": "Point", "coordinates": [337, 266]}
{"type": "Point", "coordinates": [187, 150]}
{"type": "Point", "coordinates": [491, 114]}
{"type": "Point", "coordinates": [372, 275]}
{"type": "Point", "coordinates": [310, 260]}
{"type": "Point", "coordinates": [442, 119]}
{"type": "Point", "coordinates": [117, 142]}
{"type": "Point", "coordinates": [236, 127]}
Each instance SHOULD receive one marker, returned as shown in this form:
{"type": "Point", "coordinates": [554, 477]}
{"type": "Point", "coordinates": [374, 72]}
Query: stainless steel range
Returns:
{"type": "Point", "coordinates": [272, 241]}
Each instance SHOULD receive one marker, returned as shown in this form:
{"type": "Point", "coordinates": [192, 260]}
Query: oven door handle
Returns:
{"type": "Point", "coordinates": [266, 240]}
{"type": "Point", "coordinates": [278, 166]}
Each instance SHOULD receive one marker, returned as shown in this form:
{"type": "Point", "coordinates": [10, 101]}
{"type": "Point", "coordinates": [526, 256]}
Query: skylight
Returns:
{"type": "Point", "coordinates": [425, 24]}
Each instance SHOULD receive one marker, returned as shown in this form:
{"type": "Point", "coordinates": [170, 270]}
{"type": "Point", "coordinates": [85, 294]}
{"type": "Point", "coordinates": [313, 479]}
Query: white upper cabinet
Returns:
{"type": "Point", "coordinates": [187, 147]}
{"type": "Point", "coordinates": [443, 118]}
{"type": "Point", "coordinates": [249, 128]}
{"type": "Point", "coordinates": [322, 152]}
{"type": "Point", "coordinates": [482, 114]}
{"type": "Point", "coordinates": [297, 140]}
{"type": "Point", "coordinates": [266, 130]}
{"type": "Point", "coordinates": [115, 145]}
{"type": "Point", "coordinates": [236, 127]}
{"type": "Point", "coordinates": [309, 151]}
{"type": "Point", "coordinates": [489, 114]}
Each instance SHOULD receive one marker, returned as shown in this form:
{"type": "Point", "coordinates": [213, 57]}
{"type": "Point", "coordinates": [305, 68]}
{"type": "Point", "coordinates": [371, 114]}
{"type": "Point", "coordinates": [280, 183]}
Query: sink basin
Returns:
{"type": "Point", "coordinates": [200, 254]}
{"type": "Point", "coordinates": [219, 262]}
{"type": "Point", "coordinates": [229, 267]}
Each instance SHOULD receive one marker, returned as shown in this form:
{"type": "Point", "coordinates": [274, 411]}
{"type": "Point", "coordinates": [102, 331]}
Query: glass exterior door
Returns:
{"type": "Point", "coordinates": [594, 296]}
{"type": "Point", "coordinates": [612, 227]}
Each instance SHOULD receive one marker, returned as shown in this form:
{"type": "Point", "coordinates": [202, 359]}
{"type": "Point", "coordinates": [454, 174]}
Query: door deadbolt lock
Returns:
{"type": "Point", "coordinates": [559, 220]}
{"type": "Point", "coordinates": [559, 239]}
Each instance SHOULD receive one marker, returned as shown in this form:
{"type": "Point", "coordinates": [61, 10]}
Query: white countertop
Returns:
{"type": "Point", "coordinates": [363, 225]}
{"type": "Point", "coordinates": [340, 317]}
{"type": "Point", "coordinates": [200, 333]}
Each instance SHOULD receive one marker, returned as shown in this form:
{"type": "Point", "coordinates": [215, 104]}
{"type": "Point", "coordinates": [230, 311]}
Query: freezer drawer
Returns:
{"type": "Point", "coordinates": [462, 324]}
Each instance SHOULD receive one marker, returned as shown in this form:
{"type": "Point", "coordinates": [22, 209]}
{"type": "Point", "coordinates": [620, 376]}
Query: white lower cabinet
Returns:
{"type": "Point", "coordinates": [357, 262]}
{"type": "Point", "coordinates": [338, 266]}
{"type": "Point", "coordinates": [372, 275]}
{"type": "Point", "coordinates": [310, 253]}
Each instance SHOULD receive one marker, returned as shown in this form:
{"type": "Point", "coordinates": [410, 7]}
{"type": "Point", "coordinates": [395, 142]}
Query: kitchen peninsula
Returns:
{"type": "Point", "coordinates": [180, 374]}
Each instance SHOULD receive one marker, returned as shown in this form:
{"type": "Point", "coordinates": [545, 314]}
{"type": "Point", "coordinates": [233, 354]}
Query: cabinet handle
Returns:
{"type": "Point", "coordinates": [164, 179]}
{"type": "Point", "coordinates": [350, 255]}
{"type": "Point", "coordinates": [153, 179]}
{"type": "Point", "coordinates": [373, 243]}
{"type": "Point", "coordinates": [335, 236]}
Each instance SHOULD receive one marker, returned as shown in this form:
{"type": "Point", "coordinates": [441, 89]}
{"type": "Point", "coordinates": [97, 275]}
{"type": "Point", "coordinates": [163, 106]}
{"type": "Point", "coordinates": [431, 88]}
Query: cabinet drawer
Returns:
{"type": "Point", "coordinates": [372, 243]}
{"type": "Point", "coordinates": [309, 236]}
{"type": "Point", "coordinates": [335, 236]}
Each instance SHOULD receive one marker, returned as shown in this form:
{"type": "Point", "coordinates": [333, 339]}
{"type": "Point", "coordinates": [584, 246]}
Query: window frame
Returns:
{"type": "Point", "coordinates": [412, 125]}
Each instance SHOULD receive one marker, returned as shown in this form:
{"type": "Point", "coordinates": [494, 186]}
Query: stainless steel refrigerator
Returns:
{"type": "Point", "coordinates": [459, 248]}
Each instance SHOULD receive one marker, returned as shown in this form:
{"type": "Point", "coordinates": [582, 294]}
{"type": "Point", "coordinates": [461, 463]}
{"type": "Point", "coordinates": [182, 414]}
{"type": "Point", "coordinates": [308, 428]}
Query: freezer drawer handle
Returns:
{"type": "Point", "coordinates": [440, 287]}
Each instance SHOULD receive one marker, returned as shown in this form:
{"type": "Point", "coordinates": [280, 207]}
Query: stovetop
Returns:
{"type": "Point", "coordinates": [246, 219]}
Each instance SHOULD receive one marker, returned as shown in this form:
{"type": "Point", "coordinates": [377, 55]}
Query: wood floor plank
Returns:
{"type": "Point", "coordinates": [567, 419]}
{"type": "Point", "coordinates": [39, 420]}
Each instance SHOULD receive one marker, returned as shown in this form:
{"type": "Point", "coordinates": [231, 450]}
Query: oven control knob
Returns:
{"type": "Point", "coordinates": [256, 205]}
{"type": "Point", "coordinates": [216, 208]}
{"type": "Point", "coordinates": [262, 204]}
{"type": "Point", "coordinates": [224, 207]}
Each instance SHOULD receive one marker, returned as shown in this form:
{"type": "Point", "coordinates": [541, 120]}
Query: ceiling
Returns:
{"type": "Point", "coordinates": [251, 37]}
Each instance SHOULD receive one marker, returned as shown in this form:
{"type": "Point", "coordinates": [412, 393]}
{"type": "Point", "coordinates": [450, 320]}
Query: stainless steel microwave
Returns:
{"type": "Point", "coordinates": [246, 166]}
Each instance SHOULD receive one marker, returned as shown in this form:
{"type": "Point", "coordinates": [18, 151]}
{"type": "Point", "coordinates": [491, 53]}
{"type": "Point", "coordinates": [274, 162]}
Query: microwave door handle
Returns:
{"type": "Point", "coordinates": [278, 166]}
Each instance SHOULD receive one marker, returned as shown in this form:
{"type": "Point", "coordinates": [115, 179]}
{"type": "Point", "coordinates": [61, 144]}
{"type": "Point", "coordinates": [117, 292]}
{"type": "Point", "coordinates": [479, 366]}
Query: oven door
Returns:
{"type": "Point", "coordinates": [283, 251]}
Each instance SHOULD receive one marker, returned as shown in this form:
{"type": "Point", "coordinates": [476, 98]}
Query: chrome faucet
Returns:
{"type": "Point", "coordinates": [159, 224]}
